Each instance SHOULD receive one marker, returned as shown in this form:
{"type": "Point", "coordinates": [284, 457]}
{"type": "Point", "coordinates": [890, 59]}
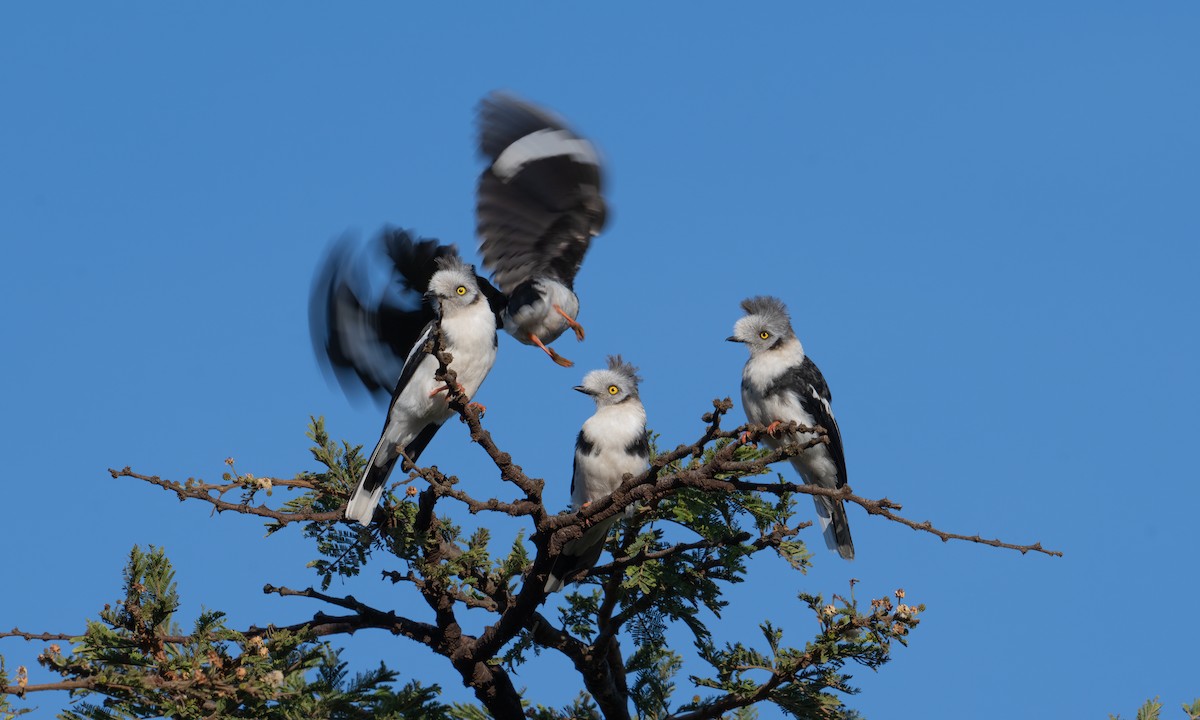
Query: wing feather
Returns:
{"type": "Point", "coordinates": [364, 337]}
{"type": "Point", "coordinates": [539, 202]}
{"type": "Point", "coordinates": [808, 386]}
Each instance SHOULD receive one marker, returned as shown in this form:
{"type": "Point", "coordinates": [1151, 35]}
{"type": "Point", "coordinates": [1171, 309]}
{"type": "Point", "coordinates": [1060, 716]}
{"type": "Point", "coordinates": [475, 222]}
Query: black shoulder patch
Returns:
{"type": "Point", "coordinates": [583, 445]}
{"type": "Point", "coordinates": [802, 380]}
{"type": "Point", "coordinates": [639, 446]}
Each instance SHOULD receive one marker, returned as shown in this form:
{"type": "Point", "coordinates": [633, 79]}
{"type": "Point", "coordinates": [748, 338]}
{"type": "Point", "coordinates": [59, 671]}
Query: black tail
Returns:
{"type": "Point", "coordinates": [365, 497]}
{"type": "Point", "coordinates": [835, 526]}
{"type": "Point", "coordinates": [361, 506]}
{"type": "Point", "coordinates": [578, 556]}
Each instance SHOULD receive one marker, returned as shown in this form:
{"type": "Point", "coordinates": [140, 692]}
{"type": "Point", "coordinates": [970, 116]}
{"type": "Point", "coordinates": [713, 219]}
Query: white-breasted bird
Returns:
{"type": "Point", "coordinates": [612, 442]}
{"type": "Point", "coordinates": [538, 206]}
{"type": "Point", "coordinates": [781, 384]}
{"type": "Point", "coordinates": [367, 338]}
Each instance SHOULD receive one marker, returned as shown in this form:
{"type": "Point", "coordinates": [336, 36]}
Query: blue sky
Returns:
{"type": "Point", "coordinates": [984, 220]}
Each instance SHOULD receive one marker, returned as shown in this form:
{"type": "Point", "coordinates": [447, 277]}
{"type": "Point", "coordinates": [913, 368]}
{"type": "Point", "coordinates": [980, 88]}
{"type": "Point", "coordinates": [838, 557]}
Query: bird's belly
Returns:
{"type": "Point", "coordinates": [815, 463]}
{"type": "Point", "coordinates": [417, 404]}
{"type": "Point", "coordinates": [472, 371]}
{"type": "Point", "coordinates": [597, 476]}
{"type": "Point", "coordinates": [541, 319]}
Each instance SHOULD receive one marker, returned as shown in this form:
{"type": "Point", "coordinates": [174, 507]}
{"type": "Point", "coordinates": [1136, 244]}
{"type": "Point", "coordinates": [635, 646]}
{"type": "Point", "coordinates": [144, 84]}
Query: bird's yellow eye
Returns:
{"type": "Point", "coordinates": [613, 390]}
{"type": "Point", "coordinates": [462, 290]}
{"type": "Point", "coordinates": [764, 334]}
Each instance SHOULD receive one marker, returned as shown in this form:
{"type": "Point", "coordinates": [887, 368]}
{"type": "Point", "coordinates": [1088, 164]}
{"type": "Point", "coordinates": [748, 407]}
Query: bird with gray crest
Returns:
{"type": "Point", "coordinates": [612, 443]}
{"type": "Point", "coordinates": [434, 293]}
{"type": "Point", "coordinates": [780, 384]}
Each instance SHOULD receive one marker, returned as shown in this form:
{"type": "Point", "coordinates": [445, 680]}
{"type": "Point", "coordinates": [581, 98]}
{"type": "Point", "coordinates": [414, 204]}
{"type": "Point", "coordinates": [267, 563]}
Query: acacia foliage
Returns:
{"type": "Point", "coordinates": [699, 515]}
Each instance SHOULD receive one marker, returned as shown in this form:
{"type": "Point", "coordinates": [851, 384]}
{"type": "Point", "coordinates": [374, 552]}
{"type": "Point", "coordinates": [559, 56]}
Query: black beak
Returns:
{"type": "Point", "coordinates": [733, 339]}
{"type": "Point", "coordinates": [582, 389]}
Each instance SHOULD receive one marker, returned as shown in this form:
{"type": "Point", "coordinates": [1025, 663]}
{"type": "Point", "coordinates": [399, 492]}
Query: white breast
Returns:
{"type": "Point", "coordinates": [470, 337]}
{"type": "Point", "coordinates": [612, 430]}
{"type": "Point", "coordinates": [815, 465]}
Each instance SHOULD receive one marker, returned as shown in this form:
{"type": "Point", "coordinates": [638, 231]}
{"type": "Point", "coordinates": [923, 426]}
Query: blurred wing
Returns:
{"type": "Point", "coordinates": [539, 202]}
{"type": "Point", "coordinates": [363, 336]}
{"type": "Point", "coordinates": [496, 300]}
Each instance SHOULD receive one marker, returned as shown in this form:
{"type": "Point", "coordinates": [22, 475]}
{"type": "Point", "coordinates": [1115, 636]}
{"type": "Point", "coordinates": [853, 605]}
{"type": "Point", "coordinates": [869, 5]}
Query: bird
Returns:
{"type": "Point", "coordinates": [611, 443]}
{"type": "Point", "coordinates": [539, 203]}
{"type": "Point", "coordinates": [381, 344]}
{"type": "Point", "coordinates": [781, 384]}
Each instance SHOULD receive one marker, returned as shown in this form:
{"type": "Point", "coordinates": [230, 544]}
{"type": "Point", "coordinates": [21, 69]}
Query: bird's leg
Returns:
{"type": "Point", "coordinates": [774, 427]}
{"type": "Point", "coordinates": [553, 355]}
{"type": "Point", "coordinates": [581, 508]}
{"type": "Point", "coordinates": [446, 389]}
{"type": "Point", "coordinates": [571, 322]}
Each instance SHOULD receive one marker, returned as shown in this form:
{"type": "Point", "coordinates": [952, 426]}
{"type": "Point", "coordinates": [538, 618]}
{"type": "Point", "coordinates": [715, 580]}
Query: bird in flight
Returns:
{"type": "Point", "coordinates": [539, 204]}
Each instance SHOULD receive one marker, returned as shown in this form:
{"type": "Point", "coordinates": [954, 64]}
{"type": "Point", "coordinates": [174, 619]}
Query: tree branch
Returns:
{"type": "Point", "coordinates": [202, 491]}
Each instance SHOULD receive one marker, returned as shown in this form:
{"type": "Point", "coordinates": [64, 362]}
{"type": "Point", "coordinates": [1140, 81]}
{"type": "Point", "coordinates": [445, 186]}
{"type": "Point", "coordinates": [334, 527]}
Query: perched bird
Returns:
{"type": "Point", "coordinates": [538, 206]}
{"type": "Point", "coordinates": [781, 384]}
{"type": "Point", "coordinates": [611, 443]}
{"type": "Point", "coordinates": [382, 342]}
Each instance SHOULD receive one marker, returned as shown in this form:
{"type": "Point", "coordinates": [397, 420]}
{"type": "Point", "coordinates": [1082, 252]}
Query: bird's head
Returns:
{"type": "Point", "coordinates": [453, 285]}
{"type": "Point", "coordinates": [616, 384]}
{"type": "Point", "coordinates": [765, 326]}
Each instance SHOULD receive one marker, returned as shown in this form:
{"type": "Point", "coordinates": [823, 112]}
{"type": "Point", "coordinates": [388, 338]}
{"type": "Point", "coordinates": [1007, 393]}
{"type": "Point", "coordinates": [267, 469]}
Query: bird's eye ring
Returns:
{"type": "Point", "coordinates": [613, 390]}
{"type": "Point", "coordinates": [764, 334]}
{"type": "Point", "coordinates": [461, 290]}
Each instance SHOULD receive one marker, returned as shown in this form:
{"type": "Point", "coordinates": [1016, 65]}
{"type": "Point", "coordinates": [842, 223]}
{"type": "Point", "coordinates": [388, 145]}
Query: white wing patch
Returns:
{"type": "Point", "coordinates": [823, 401]}
{"type": "Point", "coordinates": [540, 145]}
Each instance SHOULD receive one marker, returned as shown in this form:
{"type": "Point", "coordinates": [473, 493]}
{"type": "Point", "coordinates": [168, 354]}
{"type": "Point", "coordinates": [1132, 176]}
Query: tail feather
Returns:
{"type": "Point", "coordinates": [835, 526]}
{"type": "Point", "coordinates": [578, 556]}
{"type": "Point", "coordinates": [366, 496]}
{"type": "Point", "coordinates": [361, 506]}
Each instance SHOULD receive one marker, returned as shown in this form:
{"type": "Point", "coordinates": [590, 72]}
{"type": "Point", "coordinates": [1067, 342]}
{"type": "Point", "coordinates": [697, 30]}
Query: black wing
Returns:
{"type": "Point", "coordinates": [539, 201]}
{"type": "Point", "coordinates": [496, 300]}
{"type": "Point", "coordinates": [811, 390]}
{"type": "Point", "coordinates": [363, 336]}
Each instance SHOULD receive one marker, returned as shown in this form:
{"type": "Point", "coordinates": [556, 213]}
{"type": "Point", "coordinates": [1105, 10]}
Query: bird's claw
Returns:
{"type": "Point", "coordinates": [549, 351]}
{"type": "Point", "coordinates": [479, 407]}
{"type": "Point", "coordinates": [744, 439]}
{"type": "Point", "coordinates": [446, 389]}
{"type": "Point", "coordinates": [560, 359]}
{"type": "Point", "coordinates": [572, 323]}
{"type": "Point", "coordinates": [773, 428]}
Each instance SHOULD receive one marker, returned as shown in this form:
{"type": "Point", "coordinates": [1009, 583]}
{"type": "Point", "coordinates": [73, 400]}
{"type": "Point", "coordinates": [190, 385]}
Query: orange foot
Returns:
{"type": "Point", "coordinates": [744, 438]}
{"type": "Point", "coordinates": [479, 408]}
{"type": "Point", "coordinates": [571, 322]}
{"type": "Point", "coordinates": [446, 388]}
{"type": "Point", "coordinates": [553, 355]}
{"type": "Point", "coordinates": [773, 427]}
